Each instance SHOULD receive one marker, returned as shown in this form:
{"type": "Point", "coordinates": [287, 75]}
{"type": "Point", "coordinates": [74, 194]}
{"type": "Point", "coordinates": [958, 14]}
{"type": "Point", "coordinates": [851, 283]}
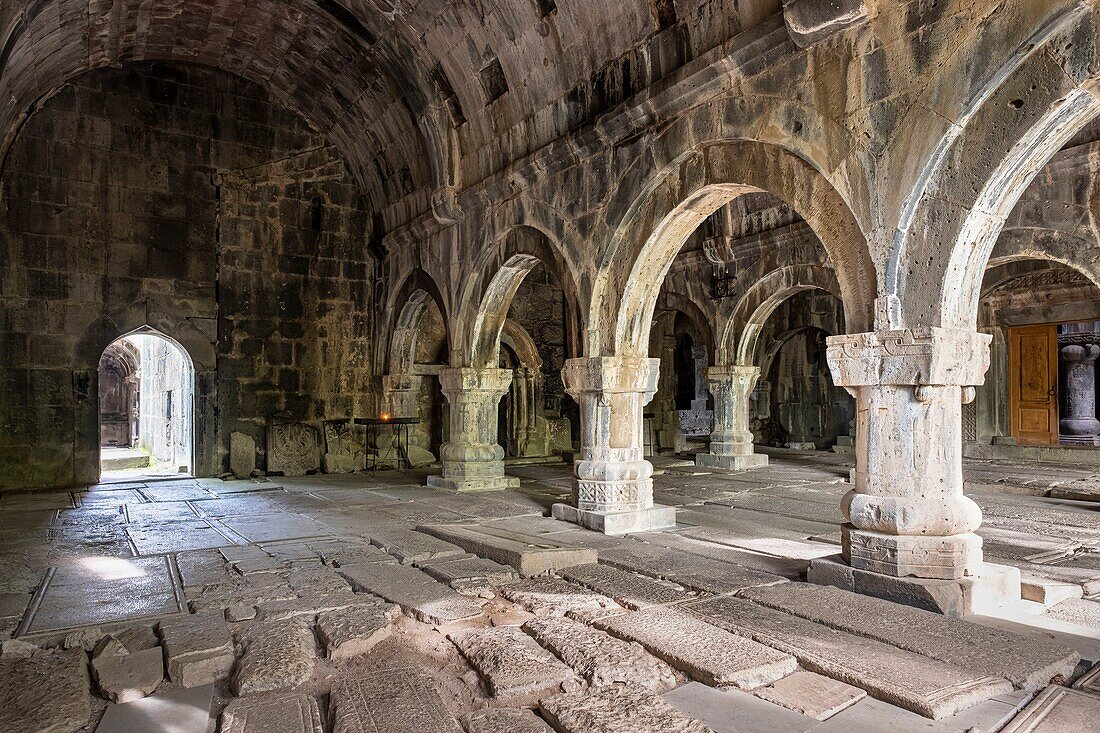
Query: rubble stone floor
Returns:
{"type": "Point", "coordinates": [367, 602]}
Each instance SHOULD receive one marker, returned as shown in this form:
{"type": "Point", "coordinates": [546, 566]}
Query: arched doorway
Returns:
{"type": "Point", "coordinates": [146, 407]}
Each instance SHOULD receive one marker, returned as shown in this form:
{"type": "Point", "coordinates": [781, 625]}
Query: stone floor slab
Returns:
{"type": "Point", "coordinates": [808, 693]}
{"type": "Point", "coordinates": [529, 554]}
{"type": "Point", "coordinates": [410, 546]}
{"type": "Point", "coordinates": [1090, 681]}
{"type": "Point", "coordinates": [391, 700]}
{"type": "Point", "coordinates": [548, 596]}
{"type": "Point", "coordinates": [626, 588]}
{"type": "Point", "coordinates": [1058, 710]}
{"type": "Point", "coordinates": [176, 711]}
{"type": "Point", "coordinates": [600, 658]}
{"type": "Point", "coordinates": [505, 720]}
{"type": "Point", "coordinates": [510, 662]}
{"type": "Point", "coordinates": [1082, 611]}
{"type": "Point", "coordinates": [124, 676]}
{"type": "Point", "coordinates": [279, 713]}
{"type": "Point", "coordinates": [354, 631]}
{"type": "Point", "coordinates": [926, 686]}
{"type": "Point", "coordinates": [1027, 662]}
{"type": "Point", "coordinates": [45, 693]}
{"type": "Point", "coordinates": [685, 569]}
{"type": "Point", "coordinates": [278, 655]}
{"type": "Point", "coordinates": [733, 711]}
{"type": "Point", "coordinates": [467, 574]}
{"type": "Point", "coordinates": [178, 536]}
{"type": "Point", "coordinates": [273, 527]}
{"type": "Point", "coordinates": [197, 648]}
{"type": "Point", "coordinates": [616, 709]}
{"type": "Point", "coordinates": [418, 595]}
{"type": "Point", "coordinates": [701, 650]}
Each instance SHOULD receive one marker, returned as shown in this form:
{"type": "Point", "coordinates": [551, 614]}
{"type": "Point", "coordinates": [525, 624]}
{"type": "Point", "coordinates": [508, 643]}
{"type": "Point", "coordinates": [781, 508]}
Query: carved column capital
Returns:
{"type": "Point", "coordinates": [912, 357]}
{"type": "Point", "coordinates": [611, 375]}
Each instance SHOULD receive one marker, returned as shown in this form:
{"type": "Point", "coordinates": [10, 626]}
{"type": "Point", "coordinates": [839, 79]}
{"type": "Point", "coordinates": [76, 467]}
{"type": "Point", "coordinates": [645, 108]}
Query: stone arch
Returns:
{"type": "Point", "coordinates": [1008, 127]}
{"type": "Point", "coordinates": [521, 343]}
{"type": "Point", "coordinates": [145, 315]}
{"type": "Point", "coordinates": [741, 336]}
{"type": "Point", "coordinates": [407, 308]}
{"type": "Point", "coordinates": [1047, 244]}
{"type": "Point", "coordinates": [704, 327]}
{"type": "Point", "coordinates": [692, 188]}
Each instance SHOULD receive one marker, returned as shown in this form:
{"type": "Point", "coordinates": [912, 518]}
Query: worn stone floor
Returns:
{"type": "Point", "coordinates": [367, 602]}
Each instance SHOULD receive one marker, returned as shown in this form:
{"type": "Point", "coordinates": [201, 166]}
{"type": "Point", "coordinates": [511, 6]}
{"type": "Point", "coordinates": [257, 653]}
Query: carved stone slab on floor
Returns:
{"type": "Point", "coordinates": [350, 632]}
{"type": "Point", "coordinates": [45, 693]}
{"type": "Point", "coordinates": [704, 652]}
{"type": "Point", "coordinates": [811, 694]}
{"type": "Point", "coordinates": [616, 709]}
{"type": "Point", "coordinates": [505, 720]}
{"type": "Point", "coordinates": [1058, 710]}
{"type": "Point", "coordinates": [512, 663]}
{"type": "Point", "coordinates": [391, 700]}
{"type": "Point", "coordinates": [279, 713]}
{"type": "Point", "coordinates": [548, 596]}
{"type": "Point", "coordinates": [418, 595]}
{"type": "Point", "coordinates": [197, 647]}
{"type": "Point", "coordinates": [278, 655]}
{"type": "Point", "coordinates": [629, 589]}
{"type": "Point", "coordinates": [925, 686]}
{"type": "Point", "coordinates": [683, 568]}
{"type": "Point", "coordinates": [528, 553]}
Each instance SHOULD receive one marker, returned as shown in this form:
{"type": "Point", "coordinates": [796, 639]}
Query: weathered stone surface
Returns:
{"type": "Point", "coordinates": [356, 630]}
{"type": "Point", "coordinates": [190, 713]}
{"type": "Point", "coordinates": [1082, 611]}
{"type": "Point", "coordinates": [410, 546]}
{"type": "Point", "coordinates": [511, 663]}
{"type": "Point", "coordinates": [528, 554]}
{"type": "Point", "coordinates": [1090, 681]}
{"type": "Point", "coordinates": [416, 593]}
{"type": "Point", "coordinates": [704, 652]}
{"type": "Point", "coordinates": [691, 571]}
{"type": "Point", "coordinates": [600, 658]}
{"type": "Point", "coordinates": [1027, 662]}
{"type": "Point", "coordinates": [45, 693]}
{"type": "Point", "coordinates": [391, 700]}
{"type": "Point", "coordinates": [464, 573]}
{"type": "Point", "coordinates": [1057, 710]}
{"type": "Point", "coordinates": [278, 713]}
{"type": "Point", "coordinates": [124, 676]}
{"type": "Point", "coordinates": [811, 694]}
{"type": "Point", "coordinates": [197, 647]}
{"type": "Point", "coordinates": [629, 589]}
{"type": "Point", "coordinates": [242, 454]}
{"type": "Point", "coordinates": [616, 709]}
{"type": "Point", "coordinates": [548, 596]}
{"type": "Point", "coordinates": [501, 720]}
{"type": "Point", "coordinates": [278, 655]}
{"type": "Point", "coordinates": [293, 448]}
{"type": "Point", "coordinates": [926, 686]}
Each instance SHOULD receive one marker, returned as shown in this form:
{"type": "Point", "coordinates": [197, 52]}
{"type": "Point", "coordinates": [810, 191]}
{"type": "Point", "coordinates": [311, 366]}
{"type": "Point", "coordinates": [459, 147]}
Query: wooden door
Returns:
{"type": "Point", "coordinates": [1033, 384]}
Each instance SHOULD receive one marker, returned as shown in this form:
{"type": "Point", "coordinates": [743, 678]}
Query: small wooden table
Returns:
{"type": "Point", "coordinates": [400, 431]}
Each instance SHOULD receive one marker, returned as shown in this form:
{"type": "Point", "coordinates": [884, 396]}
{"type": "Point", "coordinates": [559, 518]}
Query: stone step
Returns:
{"type": "Point", "coordinates": [528, 552]}
{"type": "Point", "coordinates": [1058, 710]}
{"type": "Point", "coordinates": [629, 589]}
{"type": "Point", "coordinates": [399, 700]}
{"type": "Point", "coordinates": [616, 709]}
{"type": "Point", "coordinates": [510, 662]}
{"type": "Point", "coordinates": [702, 651]}
{"type": "Point", "coordinates": [691, 571]}
{"type": "Point", "coordinates": [1027, 662]}
{"type": "Point", "coordinates": [279, 713]}
{"type": "Point", "coordinates": [600, 658]}
{"type": "Point", "coordinates": [925, 686]}
{"type": "Point", "coordinates": [418, 595]}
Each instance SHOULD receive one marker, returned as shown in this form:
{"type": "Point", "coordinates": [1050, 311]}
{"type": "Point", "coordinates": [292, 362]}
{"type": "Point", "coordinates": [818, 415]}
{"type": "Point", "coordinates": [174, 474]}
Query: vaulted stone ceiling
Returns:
{"type": "Point", "coordinates": [419, 95]}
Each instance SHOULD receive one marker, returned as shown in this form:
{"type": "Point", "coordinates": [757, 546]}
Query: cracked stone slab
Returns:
{"type": "Point", "coordinates": [626, 588]}
{"type": "Point", "coordinates": [811, 694]}
{"type": "Point", "coordinates": [599, 657]}
{"type": "Point", "coordinates": [616, 709]}
{"type": "Point", "coordinates": [686, 569]}
{"type": "Point", "coordinates": [124, 676]}
{"type": "Point", "coordinates": [505, 720]}
{"type": "Point", "coordinates": [1027, 662]}
{"type": "Point", "coordinates": [354, 631]}
{"type": "Point", "coordinates": [530, 554]}
{"type": "Point", "coordinates": [548, 596]}
{"type": "Point", "coordinates": [307, 606]}
{"type": "Point", "coordinates": [703, 651]}
{"type": "Point", "coordinates": [46, 692]}
{"type": "Point", "coordinates": [274, 527]}
{"type": "Point", "coordinates": [200, 569]}
{"type": "Point", "coordinates": [279, 713]}
{"type": "Point", "coordinates": [345, 552]}
{"type": "Point", "coordinates": [465, 572]}
{"type": "Point", "coordinates": [418, 595]}
{"type": "Point", "coordinates": [1057, 710]}
{"type": "Point", "coordinates": [198, 648]}
{"type": "Point", "coordinates": [278, 655]}
{"type": "Point", "coordinates": [512, 663]}
{"type": "Point", "coordinates": [410, 546]}
{"type": "Point", "coordinates": [393, 700]}
{"type": "Point", "coordinates": [922, 685]}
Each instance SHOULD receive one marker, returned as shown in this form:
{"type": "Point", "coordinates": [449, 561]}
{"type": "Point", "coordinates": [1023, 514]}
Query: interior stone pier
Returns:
{"type": "Point", "coordinates": [1079, 349]}
{"type": "Point", "coordinates": [472, 458]}
{"type": "Point", "coordinates": [907, 515]}
{"type": "Point", "coordinates": [612, 480]}
{"type": "Point", "coordinates": [731, 443]}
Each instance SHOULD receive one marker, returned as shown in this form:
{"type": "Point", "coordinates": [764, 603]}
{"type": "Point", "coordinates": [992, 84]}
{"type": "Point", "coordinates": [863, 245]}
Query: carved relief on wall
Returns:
{"type": "Point", "coordinates": [293, 448]}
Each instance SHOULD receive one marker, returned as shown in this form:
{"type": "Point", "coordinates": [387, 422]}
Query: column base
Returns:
{"type": "Point", "coordinates": [991, 588]}
{"type": "Point", "coordinates": [940, 558]}
{"type": "Point", "coordinates": [731, 463]}
{"type": "Point", "coordinates": [473, 485]}
{"type": "Point", "coordinates": [656, 517]}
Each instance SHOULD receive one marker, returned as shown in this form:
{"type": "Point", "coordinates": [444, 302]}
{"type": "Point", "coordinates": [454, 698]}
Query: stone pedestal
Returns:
{"type": "Point", "coordinates": [731, 440]}
{"type": "Point", "coordinates": [907, 513]}
{"type": "Point", "coordinates": [612, 484]}
{"type": "Point", "coordinates": [1079, 351]}
{"type": "Point", "coordinates": [472, 459]}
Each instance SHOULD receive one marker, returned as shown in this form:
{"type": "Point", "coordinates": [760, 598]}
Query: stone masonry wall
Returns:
{"type": "Point", "coordinates": [149, 195]}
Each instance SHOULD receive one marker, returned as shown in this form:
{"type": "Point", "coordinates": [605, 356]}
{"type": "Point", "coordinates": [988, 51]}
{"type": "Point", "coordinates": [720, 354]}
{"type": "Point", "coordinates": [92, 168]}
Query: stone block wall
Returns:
{"type": "Point", "coordinates": [188, 200]}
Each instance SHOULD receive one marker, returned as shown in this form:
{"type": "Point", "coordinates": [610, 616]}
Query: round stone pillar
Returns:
{"type": "Point", "coordinates": [1079, 351]}
{"type": "Point", "coordinates": [472, 459]}
{"type": "Point", "coordinates": [612, 484]}
{"type": "Point", "coordinates": [907, 515]}
{"type": "Point", "coordinates": [731, 444]}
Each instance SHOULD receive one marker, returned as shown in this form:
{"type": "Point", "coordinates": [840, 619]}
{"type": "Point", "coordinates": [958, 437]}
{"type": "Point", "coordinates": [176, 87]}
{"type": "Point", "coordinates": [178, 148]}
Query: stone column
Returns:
{"type": "Point", "coordinates": [1079, 351]}
{"type": "Point", "coordinates": [400, 395]}
{"type": "Point", "coordinates": [612, 484]}
{"type": "Point", "coordinates": [907, 514]}
{"type": "Point", "coordinates": [731, 439]}
{"type": "Point", "coordinates": [472, 459]}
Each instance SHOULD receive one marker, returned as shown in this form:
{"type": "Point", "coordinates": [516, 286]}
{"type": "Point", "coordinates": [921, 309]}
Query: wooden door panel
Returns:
{"type": "Point", "coordinates": [1033, 384]}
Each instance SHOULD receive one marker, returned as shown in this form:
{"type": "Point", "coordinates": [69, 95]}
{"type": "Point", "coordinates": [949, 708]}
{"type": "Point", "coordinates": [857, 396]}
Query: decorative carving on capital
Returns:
{"type": "Point", "coordinates": [603, 375]}
{"type": "Point", "coordinates": [915, 357]}
{"type": "Point", "coordinates": [464, 381]}
{"type": "Point", "coordinates": [736, 377]}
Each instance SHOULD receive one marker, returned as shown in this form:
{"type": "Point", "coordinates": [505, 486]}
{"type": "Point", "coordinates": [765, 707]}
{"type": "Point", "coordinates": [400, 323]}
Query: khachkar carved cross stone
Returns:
{"type": "Point", "coordinates": [731, 444]}
{"type": "Point", "coordinates": [907, 512]}
{"type": "Point", "coordinates": [612, 484]}
{"type": "Point", "coordinates": [472, 459]}
{"type": "Point", "coordinates": [1079, 349]}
